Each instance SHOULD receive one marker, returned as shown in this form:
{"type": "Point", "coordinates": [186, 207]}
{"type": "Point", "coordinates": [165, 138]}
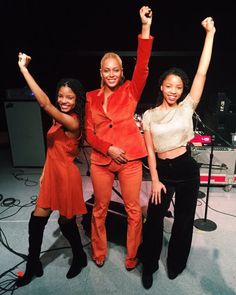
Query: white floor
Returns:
{"type": "Point", "coordinates": [211, 266]}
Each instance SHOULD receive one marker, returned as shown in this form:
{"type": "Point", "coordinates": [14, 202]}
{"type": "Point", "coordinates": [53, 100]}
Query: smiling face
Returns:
{"type": "Point", "coordinates": [66, 99]}
{"type": "Point", "coordinates": [172, 88]}
{"type": "Point", "coordinates": [111, 71]}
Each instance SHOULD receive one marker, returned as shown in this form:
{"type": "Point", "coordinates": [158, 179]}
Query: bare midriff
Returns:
{"type": "Point", "coordinates": [172, 153]}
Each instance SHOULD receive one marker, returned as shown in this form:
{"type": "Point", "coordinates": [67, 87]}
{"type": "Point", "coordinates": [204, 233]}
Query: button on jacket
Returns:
{"type": "Point", "coordinates": [117, 126]}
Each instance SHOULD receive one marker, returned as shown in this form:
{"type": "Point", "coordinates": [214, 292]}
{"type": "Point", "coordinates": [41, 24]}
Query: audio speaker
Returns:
{"type": "Point", "coordinates": [25, 132]}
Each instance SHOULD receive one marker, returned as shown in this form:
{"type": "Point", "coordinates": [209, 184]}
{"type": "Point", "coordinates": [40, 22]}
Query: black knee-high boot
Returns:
{"type": "Point", "coordinates": [70, 231]}
{"type": "Point", "coordinates": [33, 265]}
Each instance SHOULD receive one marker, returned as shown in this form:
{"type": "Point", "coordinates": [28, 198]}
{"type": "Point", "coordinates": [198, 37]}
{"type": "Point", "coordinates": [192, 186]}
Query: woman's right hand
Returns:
{"type": "Point", "coordinates": [156, 189]}
{"type": "Point", "coordinates": [117, 154]}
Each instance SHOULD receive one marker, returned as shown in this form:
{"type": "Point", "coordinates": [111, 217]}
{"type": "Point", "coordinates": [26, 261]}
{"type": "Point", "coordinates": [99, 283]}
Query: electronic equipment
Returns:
{"type": "Point", "coordinates": [223, 170]}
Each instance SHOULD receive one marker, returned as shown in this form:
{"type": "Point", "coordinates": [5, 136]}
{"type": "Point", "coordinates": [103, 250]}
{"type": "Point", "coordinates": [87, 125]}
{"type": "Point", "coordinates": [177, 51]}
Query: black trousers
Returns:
{"type": "Point", "coordinates": [181, 177]}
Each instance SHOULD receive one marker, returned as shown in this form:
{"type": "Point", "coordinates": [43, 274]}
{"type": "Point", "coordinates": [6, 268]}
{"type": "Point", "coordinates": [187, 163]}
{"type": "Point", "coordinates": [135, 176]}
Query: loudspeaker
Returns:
{"type": "Point", "coordinates": [116, 222]}
{"type": "Point", "coordinates": [25, 131]}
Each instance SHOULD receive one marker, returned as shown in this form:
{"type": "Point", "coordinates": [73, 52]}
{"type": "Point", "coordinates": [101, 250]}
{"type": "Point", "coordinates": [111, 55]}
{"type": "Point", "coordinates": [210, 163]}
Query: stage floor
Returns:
{"type": "Point", "coordinates": [211, 266]}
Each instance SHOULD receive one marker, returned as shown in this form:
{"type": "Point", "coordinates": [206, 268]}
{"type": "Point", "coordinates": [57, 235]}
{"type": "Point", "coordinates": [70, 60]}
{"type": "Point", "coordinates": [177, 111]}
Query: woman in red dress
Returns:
{"type": "Point", "coordinates": [60, 182]}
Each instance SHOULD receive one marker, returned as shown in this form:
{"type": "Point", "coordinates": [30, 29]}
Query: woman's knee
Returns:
{"type": "Point", "coordinates": [42, 212]}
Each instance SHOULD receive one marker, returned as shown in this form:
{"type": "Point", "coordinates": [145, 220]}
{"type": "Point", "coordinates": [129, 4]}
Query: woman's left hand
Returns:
{"type": "Point", "coordinates": [117, 154]}
{"type": "Point", "coordinates": [157, 188]}
{"type": "Point", "coordinates": [146, 15]}
{"type": "Point", "coordinates": [23, 60]}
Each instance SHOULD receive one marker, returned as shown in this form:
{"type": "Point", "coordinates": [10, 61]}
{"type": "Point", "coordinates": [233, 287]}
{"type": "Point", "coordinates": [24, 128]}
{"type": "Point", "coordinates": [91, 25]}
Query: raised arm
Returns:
{"type": "Point", "coordinates": [145, 41]}
{"type": "Point", "coordinates": [146, 19]}
{"type": "Point", "coordinates": [200, 76]}
{"type": "Point", "coordinates": [66, 120]}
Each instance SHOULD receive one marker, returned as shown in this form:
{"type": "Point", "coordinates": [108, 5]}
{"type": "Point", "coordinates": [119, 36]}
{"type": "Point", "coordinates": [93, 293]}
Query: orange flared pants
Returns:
{"type": "Point", "coordinates": [130, 179]}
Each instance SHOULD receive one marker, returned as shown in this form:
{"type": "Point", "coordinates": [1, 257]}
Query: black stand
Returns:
{"type": "Point", "coordinates": [201, 194]}
{"type": "Point", "coordinates": [204, 223]}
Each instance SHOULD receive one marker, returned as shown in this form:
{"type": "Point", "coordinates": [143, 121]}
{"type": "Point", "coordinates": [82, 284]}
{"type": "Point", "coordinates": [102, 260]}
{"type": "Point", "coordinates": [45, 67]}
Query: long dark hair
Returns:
{"type": "Point", "coordinates": [77, 87]}
{"type": "Point", "coordinates": [177, 72]}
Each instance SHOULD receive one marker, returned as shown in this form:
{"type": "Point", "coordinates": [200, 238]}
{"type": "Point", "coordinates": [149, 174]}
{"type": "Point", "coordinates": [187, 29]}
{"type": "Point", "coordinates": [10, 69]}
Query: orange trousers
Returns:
{"type": "Point", "coordinates": [130, 179]}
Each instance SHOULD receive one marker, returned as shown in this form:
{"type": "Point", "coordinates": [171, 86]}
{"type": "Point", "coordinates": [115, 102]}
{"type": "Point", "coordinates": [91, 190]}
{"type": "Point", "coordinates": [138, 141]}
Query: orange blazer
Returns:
{"type": "Point", "coordinates": [117, 127]}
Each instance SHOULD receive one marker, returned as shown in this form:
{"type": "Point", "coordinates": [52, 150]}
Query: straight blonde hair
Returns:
{"type": "Point", "coordinates": [110, 55]}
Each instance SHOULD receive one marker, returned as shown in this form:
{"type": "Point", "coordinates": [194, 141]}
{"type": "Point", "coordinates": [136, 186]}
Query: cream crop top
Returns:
{"type": "Point", "coordinates": [170, 128]}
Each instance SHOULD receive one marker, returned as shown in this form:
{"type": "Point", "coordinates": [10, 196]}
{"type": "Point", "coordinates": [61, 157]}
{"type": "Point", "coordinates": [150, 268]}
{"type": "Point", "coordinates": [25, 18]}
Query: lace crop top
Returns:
{"type": "Point", "coordinates": [170, 128]}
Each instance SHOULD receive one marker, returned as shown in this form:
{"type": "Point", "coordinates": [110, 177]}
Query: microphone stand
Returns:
{"type": "Point", "coordinates": [201, 194]}
{"type": "Point", "coordinates": [204, 223]}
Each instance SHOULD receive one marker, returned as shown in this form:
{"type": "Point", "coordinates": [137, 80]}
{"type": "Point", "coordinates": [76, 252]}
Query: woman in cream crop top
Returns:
{"type": "Point", "coordinates": [174, 172]}
{"type": "Point", "coordinates": [171, 128]}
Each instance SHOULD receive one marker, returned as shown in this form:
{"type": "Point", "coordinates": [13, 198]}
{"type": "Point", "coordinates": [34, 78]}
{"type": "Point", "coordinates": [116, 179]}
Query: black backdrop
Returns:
{"type": "Point", "coordinates": [68, 38]}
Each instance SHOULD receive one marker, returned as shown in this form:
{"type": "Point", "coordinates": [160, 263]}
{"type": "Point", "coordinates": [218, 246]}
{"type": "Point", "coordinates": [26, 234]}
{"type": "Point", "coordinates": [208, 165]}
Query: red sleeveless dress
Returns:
{"type": "Point", "coordinates": [61, 188]}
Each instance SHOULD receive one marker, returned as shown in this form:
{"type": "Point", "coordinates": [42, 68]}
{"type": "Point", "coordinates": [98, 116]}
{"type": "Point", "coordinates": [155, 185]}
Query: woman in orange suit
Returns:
{"type": "Point", "coordinates": [117, 143]}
